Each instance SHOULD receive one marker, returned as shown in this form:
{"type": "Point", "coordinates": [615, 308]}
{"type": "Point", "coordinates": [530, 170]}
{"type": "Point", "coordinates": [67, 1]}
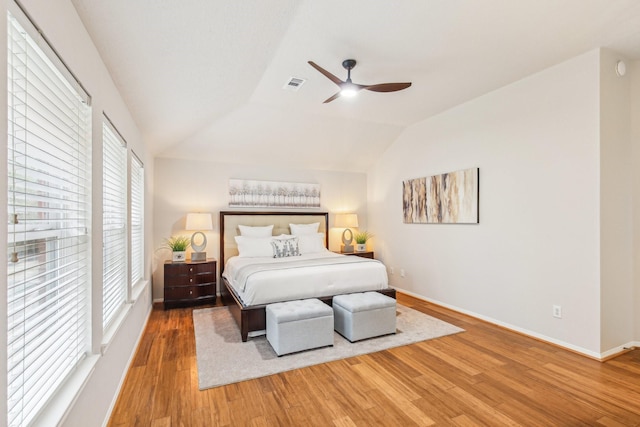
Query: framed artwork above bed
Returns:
{"type": "Point", "coordinates": [272, 194]}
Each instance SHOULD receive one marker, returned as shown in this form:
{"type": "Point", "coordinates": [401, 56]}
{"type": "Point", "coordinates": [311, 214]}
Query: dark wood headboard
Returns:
{"type": "Point", "coordinates": [229, 221]}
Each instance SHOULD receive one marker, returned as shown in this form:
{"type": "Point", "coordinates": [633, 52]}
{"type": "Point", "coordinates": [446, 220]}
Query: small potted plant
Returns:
{"type": "Point", "coordinates": [361, 238]}
{"type": "Point", "coordinates": [178, 246]}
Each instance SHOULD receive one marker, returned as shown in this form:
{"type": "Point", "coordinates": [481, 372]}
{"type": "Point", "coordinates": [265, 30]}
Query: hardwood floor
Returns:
{"type": "Point", "coordinates": [484, 376]}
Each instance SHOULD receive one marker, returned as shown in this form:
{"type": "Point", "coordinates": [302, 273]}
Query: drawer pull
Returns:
{"type": "Point", "coordinates": [190, 292]}
{"type": "Point", "coordinates": [191, 269]}
{"type": "Point", "coordinates": [191, 280]}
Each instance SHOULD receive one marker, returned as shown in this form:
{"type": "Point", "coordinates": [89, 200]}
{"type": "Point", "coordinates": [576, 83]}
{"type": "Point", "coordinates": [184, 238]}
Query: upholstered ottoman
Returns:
{"type": "Point", "coordinates": [299, 325]}
{"type": "Point", "coordinates": [364, 315]}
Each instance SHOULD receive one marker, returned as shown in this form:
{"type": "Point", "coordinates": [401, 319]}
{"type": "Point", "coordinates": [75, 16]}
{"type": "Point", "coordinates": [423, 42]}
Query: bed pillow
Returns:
{"type": "Point", "coordinates": [285, 246]}
{"type": "Point", "coordinates": [311, 243]}
{"type": "Point", "coordinates": [300, 229]}
{"type": "Point", "coordinates": [249, 247]}
{"type": "Point", "coordinates": [248, 231]}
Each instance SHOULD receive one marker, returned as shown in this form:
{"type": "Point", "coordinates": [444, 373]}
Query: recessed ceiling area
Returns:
{"type": "Point", "coordinates": [204, 78]}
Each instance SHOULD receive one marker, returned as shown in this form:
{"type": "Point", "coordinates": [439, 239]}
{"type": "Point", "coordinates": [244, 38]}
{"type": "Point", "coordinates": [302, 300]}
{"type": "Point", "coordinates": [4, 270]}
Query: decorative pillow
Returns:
{"type": "Point", "coordinates": [250, 247]}
{"type": "Point", "coordinates": [299, 229]}
{"type": "Point", "coordinates": [285, 247]}
{"type": "Point", "coordinates": [248, 231]}
{"type": "Point", "coordinates": [311, 243]}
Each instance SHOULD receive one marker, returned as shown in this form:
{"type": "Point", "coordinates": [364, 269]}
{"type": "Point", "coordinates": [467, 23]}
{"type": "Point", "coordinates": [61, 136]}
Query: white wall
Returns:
{"type": "Point", "coordinates": [616, 222]}
{"type": "Point", "coordinates": [63, 28]}
{"type": "Point", "coordinates": [635, 151]}
{"type": "Point", "coordinates": [184, 186]}
{"type": "Point", "coordinates": [536, 143]}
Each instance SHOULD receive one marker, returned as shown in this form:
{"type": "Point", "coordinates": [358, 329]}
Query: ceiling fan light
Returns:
{"type": "Point", "coordinates": [348, 91]}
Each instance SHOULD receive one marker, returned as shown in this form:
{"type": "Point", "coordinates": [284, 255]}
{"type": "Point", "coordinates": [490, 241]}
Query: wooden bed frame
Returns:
{"type": "Point", "coordinates": [253, 318]}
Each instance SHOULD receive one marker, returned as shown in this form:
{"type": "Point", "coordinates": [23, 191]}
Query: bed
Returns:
{"type": "Point", "coordinates": [341, 274]}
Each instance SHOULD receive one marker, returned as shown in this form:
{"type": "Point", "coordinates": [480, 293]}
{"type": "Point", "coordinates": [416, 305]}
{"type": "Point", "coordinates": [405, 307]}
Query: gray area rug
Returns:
{"type": "Point", "coordinates": [223, 358]}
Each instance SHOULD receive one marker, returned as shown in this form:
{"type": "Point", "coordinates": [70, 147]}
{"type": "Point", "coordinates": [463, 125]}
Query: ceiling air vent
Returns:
{"type": "Point", "coordinates": [294, 83]}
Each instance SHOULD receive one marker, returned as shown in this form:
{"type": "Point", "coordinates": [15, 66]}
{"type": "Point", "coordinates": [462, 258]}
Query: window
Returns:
{"type": "Point", "coordinates": [137, 220]}
{"type": "Point", "coordinates": [114, 231]}
{"type": "Point", "coordinates": [48, 204]}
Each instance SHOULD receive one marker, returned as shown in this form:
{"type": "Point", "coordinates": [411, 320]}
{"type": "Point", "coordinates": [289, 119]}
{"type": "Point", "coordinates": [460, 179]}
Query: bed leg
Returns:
{"type": "Point", "coordinates": [244, 326]}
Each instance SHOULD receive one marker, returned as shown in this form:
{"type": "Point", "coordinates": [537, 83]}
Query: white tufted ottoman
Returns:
{"type": "Point", "coordinates": [299, 325]}
{"type": "Point", "coordinates": [364, 315]}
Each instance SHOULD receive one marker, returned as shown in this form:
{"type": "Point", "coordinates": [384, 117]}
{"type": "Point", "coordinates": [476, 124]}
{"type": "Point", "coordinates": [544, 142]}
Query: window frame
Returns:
{"type": "Point", "coordinates": [115, 246]}
{"type": "Point", "coordinates": [136, 221]}
{"type": "Point", "coordinates": [58, 147]}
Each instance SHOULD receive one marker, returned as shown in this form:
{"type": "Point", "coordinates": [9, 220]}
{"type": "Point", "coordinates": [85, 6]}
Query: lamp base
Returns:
{"type": "Point", "coordinates": [198, 256]}
{"type": "Point", "coordinates": [347, 249]}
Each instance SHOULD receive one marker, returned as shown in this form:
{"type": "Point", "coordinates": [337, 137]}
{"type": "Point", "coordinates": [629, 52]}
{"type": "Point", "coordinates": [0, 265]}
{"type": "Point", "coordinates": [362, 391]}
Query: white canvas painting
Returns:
{"type": "Point", "coordinates": [272, 194]}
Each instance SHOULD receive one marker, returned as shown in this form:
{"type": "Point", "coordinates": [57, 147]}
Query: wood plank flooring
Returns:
{"type": "Point", "coordinates": [485, 376]}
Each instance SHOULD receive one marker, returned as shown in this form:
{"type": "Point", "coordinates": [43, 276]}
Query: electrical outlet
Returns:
{"type": "Point", "coordinates": [391, 269]}
{"type": "Point", "coordinates": [557, 311]}
{"type": "Point", "coordinates": [402, 272]}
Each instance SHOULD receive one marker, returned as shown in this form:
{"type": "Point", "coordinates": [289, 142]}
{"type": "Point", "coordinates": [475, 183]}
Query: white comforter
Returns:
{"type": "Point", "coordinates": [266, 280]}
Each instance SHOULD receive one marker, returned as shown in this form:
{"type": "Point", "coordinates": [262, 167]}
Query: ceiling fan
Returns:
{"type": "Point", "coordinates": [348, 88]}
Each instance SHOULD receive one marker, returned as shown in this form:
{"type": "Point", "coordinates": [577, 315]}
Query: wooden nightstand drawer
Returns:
{"type": "Point", "coordinates": [189, 292]}
{"type": "Point", "coordinates": [190, 280]}
{"type": "Point", "coordinates": [203, 278]}
{"type": "Point", "coordinates": [176, 269]}
{"type": "Point", "coordinates": [202, 268]}
{"type": "Point", "coordinates": [189, 269]}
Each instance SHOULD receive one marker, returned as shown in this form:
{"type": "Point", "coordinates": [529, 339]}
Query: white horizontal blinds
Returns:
{"type": "Point", "coordinates": [48, 268]}
{"type": "Point", "coordinates": [114, 212]}
{"type": "Point", "coordinates": [137, 220]}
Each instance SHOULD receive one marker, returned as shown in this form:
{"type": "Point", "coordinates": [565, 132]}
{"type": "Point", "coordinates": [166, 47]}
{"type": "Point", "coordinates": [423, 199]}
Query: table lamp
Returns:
{"type": "Point", "coordinates": [346, 221]}
{"type": "Point", "coordinates": [198, 222]}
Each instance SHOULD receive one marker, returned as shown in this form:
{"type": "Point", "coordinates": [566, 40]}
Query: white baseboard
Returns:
{"type": "Point", "coordinates": [533, 334]}
{"type": "Point", "coordinates": [619, 349]}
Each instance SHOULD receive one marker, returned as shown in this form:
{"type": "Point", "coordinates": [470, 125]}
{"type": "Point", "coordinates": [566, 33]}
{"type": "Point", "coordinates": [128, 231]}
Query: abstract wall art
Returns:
{"type": "Point", "coordinates": [449, 198]}
{"type": "Point", "coordinates": [272, 194]}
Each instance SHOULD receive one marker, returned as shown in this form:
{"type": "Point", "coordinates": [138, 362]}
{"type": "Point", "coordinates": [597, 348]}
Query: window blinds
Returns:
{"type": "Point", "coordinates": [48, 205]}
{"type": "Point", "coordinates": [137, 220]}
{"type": "Point", "coordinates": [114, 212]}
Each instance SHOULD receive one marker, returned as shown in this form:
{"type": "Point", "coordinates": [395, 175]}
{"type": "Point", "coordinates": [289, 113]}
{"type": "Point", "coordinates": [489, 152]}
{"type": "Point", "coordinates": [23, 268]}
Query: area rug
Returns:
{"type": "Point", "coordinates": [223, 358]}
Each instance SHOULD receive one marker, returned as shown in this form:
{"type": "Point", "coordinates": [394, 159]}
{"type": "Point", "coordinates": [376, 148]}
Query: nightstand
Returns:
{"type": "Point", "coordinates": [367, 254]}
{"type": "Point", "coordinates": [189, 283]}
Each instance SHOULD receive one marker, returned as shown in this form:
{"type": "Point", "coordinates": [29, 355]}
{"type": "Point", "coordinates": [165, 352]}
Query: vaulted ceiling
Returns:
{"type": "Point", "coordinates": [204, 79]}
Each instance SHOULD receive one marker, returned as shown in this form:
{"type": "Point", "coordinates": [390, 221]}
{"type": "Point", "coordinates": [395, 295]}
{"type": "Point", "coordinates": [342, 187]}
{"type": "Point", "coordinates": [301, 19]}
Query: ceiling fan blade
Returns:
{"type": "Point", "coordinates": [337, 95]}
{"type": "Point", "coordinates": [326, 73]}
{"type": "Point", "coordinates": [387, 87]}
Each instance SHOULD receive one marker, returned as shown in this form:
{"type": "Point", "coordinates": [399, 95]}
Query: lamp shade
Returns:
{"type": "Point", "coordinates": [346, 220]}
{"type": "Point", "coordinates": [199, 221]}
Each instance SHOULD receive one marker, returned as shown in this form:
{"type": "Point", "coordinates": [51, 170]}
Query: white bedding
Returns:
{"type": "Point", "coordinates": [302, 276]}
